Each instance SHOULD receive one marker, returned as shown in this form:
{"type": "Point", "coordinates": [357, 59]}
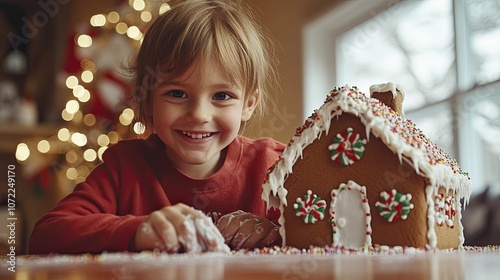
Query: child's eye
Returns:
{"type": "Point", "coordinates": [177, 94]}
{"type": "Point", "coordinates": [221, 96]}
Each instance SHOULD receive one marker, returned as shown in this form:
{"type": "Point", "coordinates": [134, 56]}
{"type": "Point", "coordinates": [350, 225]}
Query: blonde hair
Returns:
{"type": "Point", "coordinates": [220, 31]}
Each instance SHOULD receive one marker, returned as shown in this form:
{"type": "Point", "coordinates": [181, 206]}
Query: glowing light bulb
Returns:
{"type": "Point", "coordinates": [113, 137]}
{"type": "Point", "coordinates": [133, 32]}
{"type": "Point", "coordinates": [85, 96]}
{"type": "Point", "coordinates": [78, 91]}
{"type": "Point", "coordinates": [103, 140]}
{"type": "Point", "coordinates": [121, 28]}
{"type": "Point", "coordinates": [90, 155]}
{"type": "Point", "coordinates": [164, 7]}
{"type": "Point", "coordinates": [79, 139]}
{"type": "Point", "coordinates": [71, 82]}
{"type": "Point", "coordinates": [84, 41]}
{"type": "Point", "coordinates": [101, 151]}
{"type": "Point", "coordinates": [126, 117]}
{"type": "Point", "coordinates": [22, 152]}
{"type": "Point", "coordinates": [43, 146]}
{"type": "Point", "coordinates": [71, 173]}
{"type": "Point", "coordinates": [113, 17]}
{"type": "Point", "coordinates": [87, 76]}
{"type": "Point", "coordinates": [89, 120]}
{"type": "Point", "coordinates": [139, 128]}
{"type": "Point", "coordinates": [66, 116]}
{"type": "Point", "coordinates": [72, 106]}
{"type": "Point", "coordinates": [139, 5]}
{"type": "Point", "coordinates": [98, 20]}
{"type": "Point", "coordinates": [71, 156]}
{"type": "Point", "coordinates": [63, 134]}
{"type": "Point", "coordinates": [146, 16]}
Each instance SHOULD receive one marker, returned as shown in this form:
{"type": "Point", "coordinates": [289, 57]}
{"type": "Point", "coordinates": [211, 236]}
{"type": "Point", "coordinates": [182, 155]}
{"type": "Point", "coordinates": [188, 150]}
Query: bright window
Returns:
{"type": "Point", "coordinates": [484, 25]}
{"type": "Point", "coordinates": [411, 45]}
{"type": "Point", "coordinates": [444, 53]}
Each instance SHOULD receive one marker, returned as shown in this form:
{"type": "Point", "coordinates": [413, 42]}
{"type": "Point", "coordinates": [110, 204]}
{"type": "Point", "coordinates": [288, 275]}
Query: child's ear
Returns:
{"type": "Point", "coordinates": [250, 105]}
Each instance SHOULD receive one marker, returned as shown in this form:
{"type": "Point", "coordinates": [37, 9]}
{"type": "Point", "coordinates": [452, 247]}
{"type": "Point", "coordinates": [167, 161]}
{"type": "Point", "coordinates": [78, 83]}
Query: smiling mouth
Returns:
{"type": "Point", "coordinates": [197, 135]}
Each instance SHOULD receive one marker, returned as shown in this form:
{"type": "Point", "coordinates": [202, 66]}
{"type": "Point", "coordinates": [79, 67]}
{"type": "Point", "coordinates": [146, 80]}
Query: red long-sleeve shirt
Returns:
{"type": "Point", "coordinates": [135, 179]}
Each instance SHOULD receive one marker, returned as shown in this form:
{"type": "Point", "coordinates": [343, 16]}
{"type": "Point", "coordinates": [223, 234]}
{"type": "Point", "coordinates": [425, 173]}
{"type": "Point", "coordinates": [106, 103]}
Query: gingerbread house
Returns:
{"type": "Point", "coordinates": [357, 174]}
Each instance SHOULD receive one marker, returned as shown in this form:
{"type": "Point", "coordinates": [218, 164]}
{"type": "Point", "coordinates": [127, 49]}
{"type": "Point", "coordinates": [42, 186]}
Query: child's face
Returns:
{"type": "Point", "coordinates": [197, 115]}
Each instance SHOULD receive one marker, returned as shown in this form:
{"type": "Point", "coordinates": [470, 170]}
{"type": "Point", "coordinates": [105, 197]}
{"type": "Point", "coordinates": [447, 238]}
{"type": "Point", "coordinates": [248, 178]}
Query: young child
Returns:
{"type": "Point", "coordinates": [200, 75]}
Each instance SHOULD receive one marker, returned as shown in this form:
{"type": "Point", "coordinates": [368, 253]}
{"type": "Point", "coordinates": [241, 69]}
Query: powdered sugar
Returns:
{"type": "Point", "coordinates": [201, 235]}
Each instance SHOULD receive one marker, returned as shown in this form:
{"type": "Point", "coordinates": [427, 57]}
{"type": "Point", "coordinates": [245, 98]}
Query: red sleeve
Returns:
{"type": "Point", "coordinates": [260, 155]}
{"type": "Point", "coordinates": [86, 220]}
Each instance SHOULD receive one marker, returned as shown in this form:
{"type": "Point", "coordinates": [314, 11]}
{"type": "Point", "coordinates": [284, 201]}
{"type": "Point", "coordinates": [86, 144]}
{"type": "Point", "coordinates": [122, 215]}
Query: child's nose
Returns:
{"type": "Point", "coordinates": [199, 112]}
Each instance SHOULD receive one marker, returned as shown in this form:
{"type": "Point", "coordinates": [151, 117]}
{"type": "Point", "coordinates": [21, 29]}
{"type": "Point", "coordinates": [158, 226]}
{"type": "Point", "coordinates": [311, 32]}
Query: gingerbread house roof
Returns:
{"type": "Point", "coordinates": [400, 135]}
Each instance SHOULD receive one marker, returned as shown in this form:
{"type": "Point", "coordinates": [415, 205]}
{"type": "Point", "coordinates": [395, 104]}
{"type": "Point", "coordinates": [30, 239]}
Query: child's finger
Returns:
{"type": "Point", "coordinates": [147, 239]}
{"type": "Point", "coordinates": [188, 237]}
{"type": "Point", "coordinates": [165, 229]}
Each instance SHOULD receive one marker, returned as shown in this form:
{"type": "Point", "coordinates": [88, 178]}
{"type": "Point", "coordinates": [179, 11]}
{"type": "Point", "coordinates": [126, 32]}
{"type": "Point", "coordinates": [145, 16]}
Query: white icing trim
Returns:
{"type": "Point", "coordinates": [430, 192]}
{"type": "Point", "coordinates": [394, 88]}
{"type": "Point", "coordinates": [366, 207]}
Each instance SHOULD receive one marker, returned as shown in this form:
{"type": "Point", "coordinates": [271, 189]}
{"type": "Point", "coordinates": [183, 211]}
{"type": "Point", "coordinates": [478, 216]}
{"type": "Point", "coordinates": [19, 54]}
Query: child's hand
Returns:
{"type": "Point", "coordinates": [178, 228]}
{"type": "Point", "coordinates": [243, 230]}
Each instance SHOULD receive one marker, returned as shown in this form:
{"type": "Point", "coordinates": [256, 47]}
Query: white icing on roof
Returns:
{"type": "Point", "coordinates": [387, 87]}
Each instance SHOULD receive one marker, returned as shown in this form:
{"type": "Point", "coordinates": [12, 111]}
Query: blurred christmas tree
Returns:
{"type": "Point", "coordinates": [97, 112]}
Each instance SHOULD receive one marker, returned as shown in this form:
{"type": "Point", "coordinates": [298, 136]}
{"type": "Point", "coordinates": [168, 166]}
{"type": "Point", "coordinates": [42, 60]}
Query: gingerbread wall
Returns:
{"type": "Point", "coordinates": [379, 170]}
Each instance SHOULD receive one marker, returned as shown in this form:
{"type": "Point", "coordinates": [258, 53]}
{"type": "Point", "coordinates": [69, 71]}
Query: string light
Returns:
{"type": "Point", "coordinates": [146, 16]}
{"type": "Point", "coordinates": [121, 28]}
{"type": "Point", "coordinates": [87, 76]}
{"type": "Point", "coordinates": [79, 139]}
{"type": "Point", "coordinates": [71, 173]}
{"type": "Point", "coordinates": [86, 137]}
{"type": "Point", "coordinates": [139, 5]}
{"type": "Point", "coordinates": [84, 41]}
{"type": "Point", "coordinates": [103, 140]}
{"type": "Point", "coordinates": [71, 82]}
{"type": "Point", "coordinates": [22, 152]}
{"type": "Point", "coordinates": [113, 17]}
{"type": "Point", "coordinates": [72, 106]}
{"type": "Point", "coordinates": [98, 20]}
{"type": "Point", "coordinates": [85, 97]}
{"type": "Point", "coordinates": [164, 7]}
{"type": "Point", "coordinates": [139, 128]}
{"type": "Point", "coordinates": [89, 120]}
{"type": "Point", "coordinates": [90, 155]}
{"type": "Point", "coordinates": [43, 146]}
{"type": "Point", "coordinates": [63, 134]}
{"type": "Point", "coordinates": [66, 116]}
{"type": "Point", "coordinates": [133, 32]}
{"type": "Point", "coordinates": [71, 156]}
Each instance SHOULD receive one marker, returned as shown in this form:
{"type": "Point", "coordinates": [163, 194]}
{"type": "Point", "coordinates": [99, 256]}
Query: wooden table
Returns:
{"type": "Point", "coordinates": [465, 264]}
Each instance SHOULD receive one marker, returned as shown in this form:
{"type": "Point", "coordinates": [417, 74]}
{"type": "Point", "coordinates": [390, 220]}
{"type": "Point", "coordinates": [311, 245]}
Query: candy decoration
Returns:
{"type": "Point", "coordinates": [311, 208]}
{"type": "Point", "coordinates": [394, 206]}
{"type": "Point", "coordinates": [347, 147]}
{"type": "Point", "coordinates": [444, 209]}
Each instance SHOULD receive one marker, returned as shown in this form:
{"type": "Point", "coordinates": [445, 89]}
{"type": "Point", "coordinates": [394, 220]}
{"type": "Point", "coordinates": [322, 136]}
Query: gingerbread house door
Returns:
{"type": "Point", "coordinates": [350, 216]}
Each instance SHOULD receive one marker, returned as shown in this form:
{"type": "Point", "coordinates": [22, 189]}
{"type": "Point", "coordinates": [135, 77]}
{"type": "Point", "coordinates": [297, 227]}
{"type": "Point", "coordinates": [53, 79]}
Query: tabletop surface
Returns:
{"type": "Point", "coordinates": [470, 263]}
